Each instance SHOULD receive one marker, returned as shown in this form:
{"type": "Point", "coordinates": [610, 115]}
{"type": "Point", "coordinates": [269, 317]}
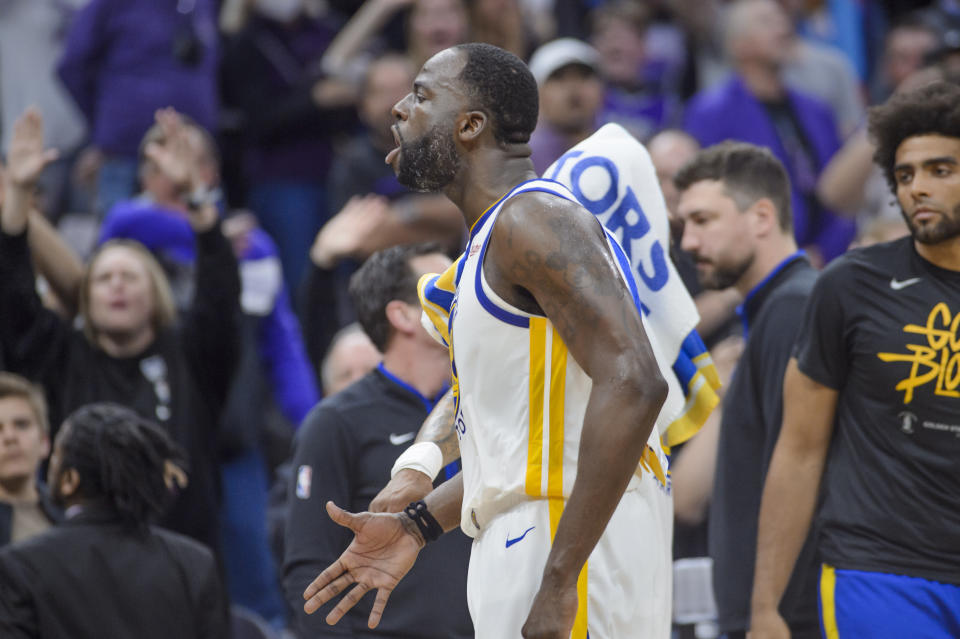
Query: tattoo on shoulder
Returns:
{"type": "Point", "coordinates": [567, 272]}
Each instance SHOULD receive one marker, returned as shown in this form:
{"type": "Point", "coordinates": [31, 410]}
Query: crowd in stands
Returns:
{"type": "Point", "coordinates": [190, 190]}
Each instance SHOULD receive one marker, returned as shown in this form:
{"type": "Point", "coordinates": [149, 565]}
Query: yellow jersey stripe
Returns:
{"type": "Point", "coordinates": [580, 622]}
{"type": "Point", "coordinates": [538, 354]}
{"type": "Point", "coordinates": [828, 585]}
{"type": "Point", "coordinates": [558, 382]}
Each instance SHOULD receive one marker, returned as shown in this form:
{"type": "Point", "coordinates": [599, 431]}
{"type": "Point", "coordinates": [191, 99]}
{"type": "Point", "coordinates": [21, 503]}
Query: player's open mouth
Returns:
{"type": "Point", "coordinates": [392, 155]}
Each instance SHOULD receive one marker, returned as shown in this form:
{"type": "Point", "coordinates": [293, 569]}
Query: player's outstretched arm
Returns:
{"type": "Point", "coordinates": [556, 256]}
{"type": "Point", "coordinates": [411, 484]}
{"type": "Point", "coordinates": [790, 495]}
{"type": "Point", "coordinates": [384, 548]}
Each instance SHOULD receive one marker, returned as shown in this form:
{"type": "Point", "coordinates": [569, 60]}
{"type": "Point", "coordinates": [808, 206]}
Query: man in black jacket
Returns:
{"type": "Point", "coordinates": [735, 203]}
{"type": "Point", "coordinates": [131, 350]}
{"type": "Point", "coordinates": [347, 445]}
{"type": "Point", "coordinates": [105, 572]}
{"type": "Point", "coordinates": [25, 506]}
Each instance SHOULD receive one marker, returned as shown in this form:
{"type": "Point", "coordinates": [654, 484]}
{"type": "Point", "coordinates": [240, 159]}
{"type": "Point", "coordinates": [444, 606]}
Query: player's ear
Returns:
{"type": "Point", "coordinates": [472, 125]}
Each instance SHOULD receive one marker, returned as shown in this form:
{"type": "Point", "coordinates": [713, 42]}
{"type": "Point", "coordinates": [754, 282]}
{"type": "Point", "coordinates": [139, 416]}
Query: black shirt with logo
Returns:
{"type": "Point", "coordinates": [344, 452]}
{"type": "Point", "coordinates": [882, 327]}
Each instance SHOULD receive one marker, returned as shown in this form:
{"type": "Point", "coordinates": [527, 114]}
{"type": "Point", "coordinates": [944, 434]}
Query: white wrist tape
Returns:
{"type": "Point", "coordinates": [422, 456]}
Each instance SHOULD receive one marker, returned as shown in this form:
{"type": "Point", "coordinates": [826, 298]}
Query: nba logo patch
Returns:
{"type": "Point", "coordinates": [304, 476]}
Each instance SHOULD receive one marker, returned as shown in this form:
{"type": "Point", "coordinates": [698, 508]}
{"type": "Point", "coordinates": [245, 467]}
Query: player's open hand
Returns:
{"type": "Point", "coordinates": [407, 486]}
{"type": "Point", "coordinates": [382, 552]}
{"type": "Point", "coordinates": [552, 614]}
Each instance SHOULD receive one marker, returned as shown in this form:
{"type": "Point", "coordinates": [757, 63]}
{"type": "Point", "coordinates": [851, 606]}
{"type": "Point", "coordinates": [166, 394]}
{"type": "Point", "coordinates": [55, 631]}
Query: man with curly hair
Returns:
{"type": "Point", "coordinates": [871, 420]}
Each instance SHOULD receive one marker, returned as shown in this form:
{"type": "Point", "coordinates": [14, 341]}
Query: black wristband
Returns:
{"type": "Point", "coordinates": [429, 527]}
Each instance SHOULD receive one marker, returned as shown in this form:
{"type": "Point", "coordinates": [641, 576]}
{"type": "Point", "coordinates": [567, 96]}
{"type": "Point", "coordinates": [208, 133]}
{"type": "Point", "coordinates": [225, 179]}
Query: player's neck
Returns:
{"type": "Point", "coordinates": [944, 254]}
{"type": "Point", "coordinates": [491, 174]}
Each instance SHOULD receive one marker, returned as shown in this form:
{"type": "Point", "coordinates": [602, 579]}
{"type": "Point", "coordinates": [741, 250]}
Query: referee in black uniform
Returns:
{"type": "Point", "coordinates": [347, 446]}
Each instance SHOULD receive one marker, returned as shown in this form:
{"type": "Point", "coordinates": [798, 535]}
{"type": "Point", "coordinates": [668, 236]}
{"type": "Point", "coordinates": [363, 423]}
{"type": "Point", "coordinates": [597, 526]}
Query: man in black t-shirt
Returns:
{"type": "Point", "coordinates": [738, 227]}
{"type": "Point", "coordinates": [872, 407]}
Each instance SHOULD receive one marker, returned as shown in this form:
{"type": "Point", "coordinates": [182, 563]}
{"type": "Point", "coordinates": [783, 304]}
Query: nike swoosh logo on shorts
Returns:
{"type": "Point", "coordinates": [896, 284]}
{"type": "Point", "coordinates": [511, 542]}
{"type": "Point", "coordinates": [397, 440]}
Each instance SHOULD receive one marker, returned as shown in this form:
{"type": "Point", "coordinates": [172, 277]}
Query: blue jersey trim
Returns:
{"type": "Point", "coordinates": [500, 313]}
{"type": "Point", "coordinates": [625, 267]}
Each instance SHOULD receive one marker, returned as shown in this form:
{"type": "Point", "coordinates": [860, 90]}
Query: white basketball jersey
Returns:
{"type": "Point", "coordinates": [521, 395]}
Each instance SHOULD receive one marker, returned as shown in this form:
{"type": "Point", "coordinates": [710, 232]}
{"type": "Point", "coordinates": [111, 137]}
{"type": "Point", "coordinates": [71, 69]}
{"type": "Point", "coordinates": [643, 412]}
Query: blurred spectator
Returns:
{"type": "Point", "coordinates": [944, 15]}
{"type": "Point", "coordinates": [359, 168]}
{"type": "Point", "coordinates": [430, 26]}
{"type": "Point", "coordinates": [503, 24]}
{"type": "Point", "coordinates": [123, 60]}
{"type": "Point", "coordinates": [105, 572]}
{"type": "Point", "coordinates": [824, 73]}
{"type": "Point", "coordinates": [25, 505]}
{"type": "Point", "coordinates": [571, 95]}
{"type": "Point", "coordinates": [273, 364]}
{"type": "Point", "coordinates": [365, 225]}
{"type": "Point", "coordinates": [290, 115]}
{"type": "Point", "coordinates": [347, 446]}
{"type": "Point", "coordinates": [755, 106]}
{"type": "Point", "coordinates": [619, 36]}
{"type": "Point", "coordinates": [130, 351]}
{"type": "Point", "coordinates": [31, 41]}
{"type": "Point", "coordinates": [906, 47]}
{"type": "Point", "coordinates": [735, 202]}
{"type": "Point", "coordinates": [841, 24]}
{"type": "Point", "coordinates": [351, 356]}
{"type": "Point", "coordinates": [669, 151]}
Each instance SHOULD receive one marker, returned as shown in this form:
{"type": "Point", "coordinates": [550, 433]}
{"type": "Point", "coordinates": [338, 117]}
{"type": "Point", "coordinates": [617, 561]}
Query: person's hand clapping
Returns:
{"type": "Point", "coordinates": [179, 157]}
{"type": "Point", "coordinates": [346, 233]}
{"type": "Point", "coordinates": [26, 160]}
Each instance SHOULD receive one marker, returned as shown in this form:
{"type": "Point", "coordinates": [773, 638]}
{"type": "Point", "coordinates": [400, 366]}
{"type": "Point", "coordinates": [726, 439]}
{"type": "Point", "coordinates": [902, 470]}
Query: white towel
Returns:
{"type": "Point", "coordinates": [612, 175]}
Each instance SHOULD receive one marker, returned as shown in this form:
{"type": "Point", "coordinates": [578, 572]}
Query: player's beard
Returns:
{"type": "Point", "coordinates": [428, 163]}
{"type": "Point", "coordinates": [724, 275]}
{"type": "Point", "coordinates": [946, 228]}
